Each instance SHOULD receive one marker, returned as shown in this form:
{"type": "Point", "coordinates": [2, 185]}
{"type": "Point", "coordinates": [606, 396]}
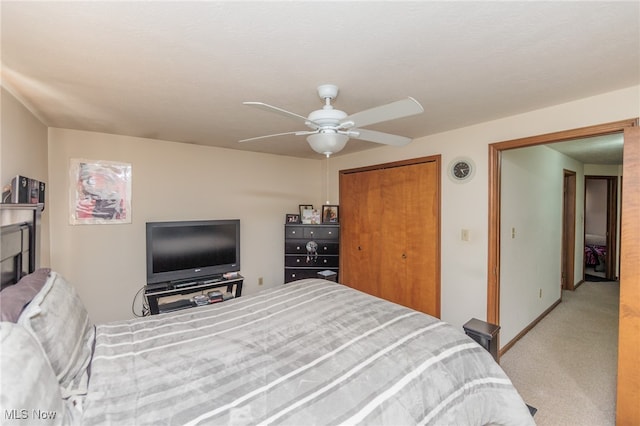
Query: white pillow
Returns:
{"type": "Point", "coordinates": [30, 390]}
{"type": "Point", "coordinates": [59, 321]}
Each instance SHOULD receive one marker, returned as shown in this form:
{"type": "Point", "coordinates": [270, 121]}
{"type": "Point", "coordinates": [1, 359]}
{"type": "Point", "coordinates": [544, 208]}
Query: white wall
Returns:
{"type": "Point", "coordinates": [23, 151]}
{"type": "Point", "coordinates": [172, 181]}
{"type": "Point", "coordinates": [464, 264]}
{"type": "Point", "coordinates": [107, 262]}
{"type": "Point", "coordinates": [595, 221]}
{"type": "Point", "coordinates": [531, 234]}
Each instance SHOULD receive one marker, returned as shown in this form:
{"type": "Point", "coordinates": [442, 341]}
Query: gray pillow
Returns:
{"type": "Point", "coordinates": [30, 390]}
{"type": "Point", "coordinates": [59, 321]}
{"type": "Point", "coordinates": [14, 298]}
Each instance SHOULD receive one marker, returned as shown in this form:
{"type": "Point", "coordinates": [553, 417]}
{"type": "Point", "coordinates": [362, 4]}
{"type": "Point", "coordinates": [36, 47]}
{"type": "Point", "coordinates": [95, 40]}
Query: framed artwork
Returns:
{"type": "Point", "coordinates": [330, 214]}
{"type": "Point", "coordinates": [302, 207]}
{"type": "Point", "coordinates": [99, 192]}
{"type": "Point", "coordinates": [293, 218]}
{"type": "Point", "coordinates": [310, 216]}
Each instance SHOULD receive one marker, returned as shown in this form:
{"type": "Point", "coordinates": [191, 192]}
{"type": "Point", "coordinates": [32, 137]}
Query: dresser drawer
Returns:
{"type": "Point", "coordinates": [322, 233]}
{"type": "Point", "coordinates": [292, 274]}
{"type": "Point", "coordinates": [300, 247]}
{"type": "Point", "coordinates": [293, 231]}
{"type": "Point", "coordinates": [311, 261]}
{"type": "Point", "coordinates": [319, 232]}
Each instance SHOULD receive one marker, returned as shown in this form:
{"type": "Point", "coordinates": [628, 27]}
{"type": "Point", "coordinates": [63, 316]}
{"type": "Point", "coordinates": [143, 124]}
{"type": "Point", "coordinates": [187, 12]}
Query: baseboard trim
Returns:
{"type": "Point", "coordinates": [578, 285]}
{"type": "Point", "coordinates": [528, 328]}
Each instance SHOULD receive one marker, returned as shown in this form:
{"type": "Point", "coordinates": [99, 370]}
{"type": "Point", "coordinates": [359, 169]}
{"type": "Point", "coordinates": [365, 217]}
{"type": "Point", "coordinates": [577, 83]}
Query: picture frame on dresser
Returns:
{"type": "Point", "coordinates": [311, 216]}
{"type": "Point", "coordinates": [330, 213]}
{"type": "Point", "coordinates": [303, 207]}
{"type": "Point", "coordinates": [293, 218]}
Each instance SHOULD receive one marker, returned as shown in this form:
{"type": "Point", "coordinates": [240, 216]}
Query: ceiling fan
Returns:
{"type": "Point", "coordinates": [332, 128]}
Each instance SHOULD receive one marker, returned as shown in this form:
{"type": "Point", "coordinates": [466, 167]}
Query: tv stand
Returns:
{"type": "Point", "coordinates": [155, 292]}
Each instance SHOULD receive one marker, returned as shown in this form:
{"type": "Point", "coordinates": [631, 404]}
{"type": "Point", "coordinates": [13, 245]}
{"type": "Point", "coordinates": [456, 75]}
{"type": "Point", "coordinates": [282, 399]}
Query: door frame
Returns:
{"type": "Point", "coordinates": [628, 387]}
{"type": "Point", "coordinates": [567, 280]}
{"type": "Point", "coordinates": [611, 262]}
{"type": "Point", "coordinates": [495, 155]}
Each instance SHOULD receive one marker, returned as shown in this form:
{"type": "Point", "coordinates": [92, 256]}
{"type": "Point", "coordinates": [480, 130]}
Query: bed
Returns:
{"type": "Point", "coordinates": [310, 352]}
{"type": "Point", "coordinates": [595, 251]}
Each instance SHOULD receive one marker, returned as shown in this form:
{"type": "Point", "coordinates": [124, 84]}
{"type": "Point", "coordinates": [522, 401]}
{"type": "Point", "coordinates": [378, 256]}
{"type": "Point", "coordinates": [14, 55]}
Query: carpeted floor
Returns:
{"type": "Point", "coordinates": [566, 365]}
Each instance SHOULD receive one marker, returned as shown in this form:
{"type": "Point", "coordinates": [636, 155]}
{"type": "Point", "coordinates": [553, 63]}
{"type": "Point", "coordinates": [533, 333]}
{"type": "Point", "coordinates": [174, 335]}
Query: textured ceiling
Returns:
{"type": "Point", "coordinates": [181, 70]}
{"type": "Point", "coordinates": [607, 149]}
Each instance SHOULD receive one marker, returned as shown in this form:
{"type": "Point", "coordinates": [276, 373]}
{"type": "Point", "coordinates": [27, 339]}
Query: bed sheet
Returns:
{"type": "Point", "coordinates": [592, 253]}
{"type": "Point", "coordinates": [311, 352]}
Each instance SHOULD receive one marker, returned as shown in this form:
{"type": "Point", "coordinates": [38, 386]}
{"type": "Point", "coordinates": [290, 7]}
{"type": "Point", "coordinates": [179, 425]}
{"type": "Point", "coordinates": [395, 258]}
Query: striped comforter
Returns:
{"type": "Point", "coordinates": [310, 352]}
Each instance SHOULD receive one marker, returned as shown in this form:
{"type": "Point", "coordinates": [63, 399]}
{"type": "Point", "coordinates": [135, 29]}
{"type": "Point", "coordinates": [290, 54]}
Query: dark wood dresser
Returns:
{"type": "Point", "coordinates": [309, 249]}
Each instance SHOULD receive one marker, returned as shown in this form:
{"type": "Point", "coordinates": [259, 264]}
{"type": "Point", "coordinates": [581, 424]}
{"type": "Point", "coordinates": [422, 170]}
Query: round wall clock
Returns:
{"type": "Point", "coordinates": [461, 169]}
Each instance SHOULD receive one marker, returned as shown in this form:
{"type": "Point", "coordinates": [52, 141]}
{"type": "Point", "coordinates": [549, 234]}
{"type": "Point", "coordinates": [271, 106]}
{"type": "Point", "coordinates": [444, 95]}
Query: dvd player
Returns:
{"type": "Point", "coordinates": [185, 284]}
{"type": "Point", "coordinates": [175, 306]}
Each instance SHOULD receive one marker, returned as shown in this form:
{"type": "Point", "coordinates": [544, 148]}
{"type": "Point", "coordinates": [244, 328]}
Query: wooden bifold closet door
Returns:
{"type": "Point", "coordinates": [390, 232]}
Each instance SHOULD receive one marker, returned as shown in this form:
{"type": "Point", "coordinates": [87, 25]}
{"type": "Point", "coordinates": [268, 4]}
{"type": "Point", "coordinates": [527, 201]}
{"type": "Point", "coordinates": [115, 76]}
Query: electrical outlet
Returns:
{"type": "Point", "coordinates": [513, 233]}
{"type": "Point", "coordinates": [464, 235]}
{"type": "Point", "coordinates": [540, 294]}
{"type": "Point", "coordinates": [260, 281]}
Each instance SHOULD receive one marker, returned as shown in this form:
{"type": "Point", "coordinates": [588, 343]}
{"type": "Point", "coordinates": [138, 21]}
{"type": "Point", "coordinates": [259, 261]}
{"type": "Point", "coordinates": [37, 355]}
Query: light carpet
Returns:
{"type": "Point", "coordinates": [566, 365]}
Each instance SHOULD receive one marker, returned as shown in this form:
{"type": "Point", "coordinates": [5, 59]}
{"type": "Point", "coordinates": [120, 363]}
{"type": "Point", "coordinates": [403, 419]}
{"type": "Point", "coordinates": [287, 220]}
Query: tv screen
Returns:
{"type": "Point", "coordinates": [189, 250]}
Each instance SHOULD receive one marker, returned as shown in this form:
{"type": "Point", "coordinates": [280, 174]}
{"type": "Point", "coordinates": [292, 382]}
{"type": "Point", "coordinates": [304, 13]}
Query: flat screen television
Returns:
{"type": "Point", "coordinates": [190, 250]}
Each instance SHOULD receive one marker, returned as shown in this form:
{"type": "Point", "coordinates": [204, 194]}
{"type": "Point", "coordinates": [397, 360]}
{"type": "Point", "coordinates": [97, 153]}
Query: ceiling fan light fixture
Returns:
{"type": "Point", "coordinates": [331, 128]}
{"type": "Point", "coordinates": [327, 143]}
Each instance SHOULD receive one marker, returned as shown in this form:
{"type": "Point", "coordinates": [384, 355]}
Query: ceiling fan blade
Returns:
{"type": "Point", "coordinates": [275, 109]}
{"type": "Point", "coordinates": [397, 109]}
{"type": "Point", "coordinates": [379, 137]}
{"type": "Point", "coordinates": [299, 133]}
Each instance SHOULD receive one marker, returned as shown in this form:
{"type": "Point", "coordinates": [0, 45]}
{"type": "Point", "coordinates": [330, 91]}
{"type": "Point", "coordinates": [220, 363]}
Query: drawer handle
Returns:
{"type": "Point", "coordinates": [297, 260]}
{"type": "Point", "coordinates": [325, 261]}
{"type": "Point", "coordinates": [298, 248]}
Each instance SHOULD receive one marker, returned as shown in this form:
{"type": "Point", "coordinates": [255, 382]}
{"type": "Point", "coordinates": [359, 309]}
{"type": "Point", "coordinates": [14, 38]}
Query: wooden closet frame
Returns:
{"type": "Point", "coordinates": [437, 159]}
